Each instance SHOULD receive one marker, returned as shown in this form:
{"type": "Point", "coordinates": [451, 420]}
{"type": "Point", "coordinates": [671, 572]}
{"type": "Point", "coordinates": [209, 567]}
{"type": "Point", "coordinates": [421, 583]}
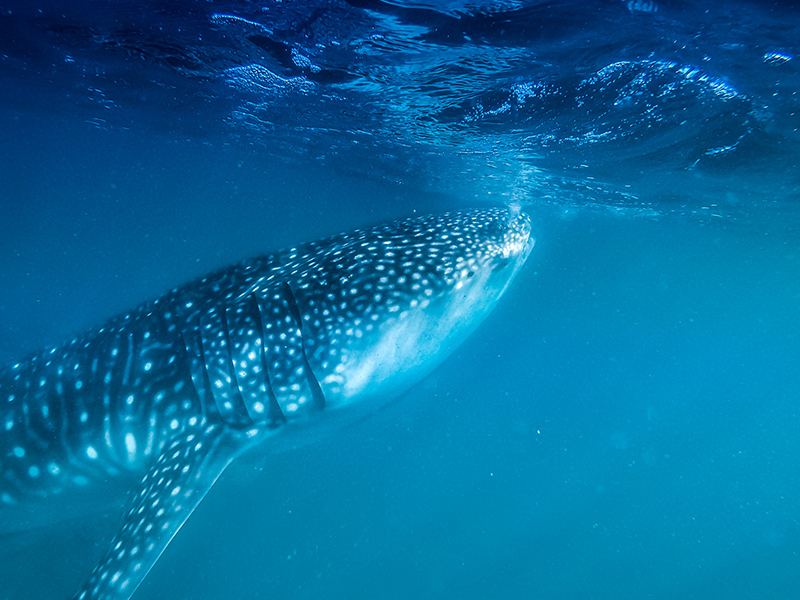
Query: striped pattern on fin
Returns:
{"type": "Point", "coordinates": [168, 494]}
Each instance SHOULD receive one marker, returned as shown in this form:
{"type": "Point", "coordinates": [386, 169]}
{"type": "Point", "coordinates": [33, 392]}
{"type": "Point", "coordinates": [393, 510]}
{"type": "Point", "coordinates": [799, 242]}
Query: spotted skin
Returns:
{"type": "Point", "coordinates": [173, 391]}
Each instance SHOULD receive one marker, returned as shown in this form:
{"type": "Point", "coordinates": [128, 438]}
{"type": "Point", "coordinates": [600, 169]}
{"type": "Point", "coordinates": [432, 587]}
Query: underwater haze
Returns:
{"type": "Point", "coordinates": [625, 424]}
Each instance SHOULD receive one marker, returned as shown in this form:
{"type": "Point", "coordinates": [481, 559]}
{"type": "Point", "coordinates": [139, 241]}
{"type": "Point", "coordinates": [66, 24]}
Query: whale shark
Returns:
{"type": "Point", "coordinates": [283, 346]}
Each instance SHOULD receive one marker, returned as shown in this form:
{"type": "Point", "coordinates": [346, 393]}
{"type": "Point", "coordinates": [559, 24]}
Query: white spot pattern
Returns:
{"type": "Point", "coordinates": [256, 344]}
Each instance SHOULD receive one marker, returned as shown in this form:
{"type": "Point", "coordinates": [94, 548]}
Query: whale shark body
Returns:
{"type": "Point", "coordinates": [171, 392]}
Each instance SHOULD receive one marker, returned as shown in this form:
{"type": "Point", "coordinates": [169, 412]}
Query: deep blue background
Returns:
{"type": "Point", "coordinates": [625, 425]}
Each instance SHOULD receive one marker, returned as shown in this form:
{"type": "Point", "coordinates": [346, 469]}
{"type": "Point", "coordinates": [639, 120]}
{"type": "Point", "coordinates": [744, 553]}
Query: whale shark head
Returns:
{"type": "Point", "coordinates": [386, 305]}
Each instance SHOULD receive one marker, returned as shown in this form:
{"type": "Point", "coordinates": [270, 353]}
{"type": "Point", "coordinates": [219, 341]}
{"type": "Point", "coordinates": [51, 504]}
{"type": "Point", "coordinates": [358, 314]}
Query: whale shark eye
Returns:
{"type": "Point", "coordinates": [501, 264]}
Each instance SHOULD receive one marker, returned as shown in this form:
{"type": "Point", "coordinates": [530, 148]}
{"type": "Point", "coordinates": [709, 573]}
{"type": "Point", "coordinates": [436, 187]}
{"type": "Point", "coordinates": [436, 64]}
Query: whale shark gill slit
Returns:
{"type": "Point", "coordinates": [173, 391]}
{"type": "Point", "coordinates": [275, 418]}
{"type": "Point", "coordinates": [215, 344]}
{"type": "Point", "coordinates": [313, 383]}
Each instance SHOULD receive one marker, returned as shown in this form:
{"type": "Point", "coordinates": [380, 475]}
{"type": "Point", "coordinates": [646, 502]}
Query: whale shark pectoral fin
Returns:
{"type": "Point", "coordinates": [168, 494]}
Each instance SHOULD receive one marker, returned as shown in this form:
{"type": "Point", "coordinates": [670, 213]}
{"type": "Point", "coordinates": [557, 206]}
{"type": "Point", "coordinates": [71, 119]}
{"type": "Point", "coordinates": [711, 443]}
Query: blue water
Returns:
{"type": "Point", "coordinates": [625, 425]}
